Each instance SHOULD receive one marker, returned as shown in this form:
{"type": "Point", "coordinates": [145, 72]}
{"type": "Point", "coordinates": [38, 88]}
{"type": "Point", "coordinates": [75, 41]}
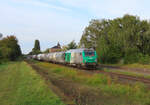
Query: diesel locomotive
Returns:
{"type": "Point", "coordinates": [75, 57]}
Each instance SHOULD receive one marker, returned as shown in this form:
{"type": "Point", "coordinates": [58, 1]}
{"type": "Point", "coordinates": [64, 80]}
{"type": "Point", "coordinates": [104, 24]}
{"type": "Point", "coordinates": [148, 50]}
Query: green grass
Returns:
{"type": "Point", "coordinates": [137, 65]}
{"type": "Point", "coordinates": [136, 94]}
{"type": "Point", "coordinates": [130, 73]}
{"type": "Point", "coordinates": [21, 85]}
{"type": "Point", "coordinates": [132, 66]}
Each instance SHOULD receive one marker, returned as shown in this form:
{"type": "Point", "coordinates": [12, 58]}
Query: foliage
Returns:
{"type": "Point", "coordinates": [72, 45]}
{"type": "Point", "coordinates": [9, 48]}
{"type": "Point", "coordinates": [119, 39]}
{"type": "Point", "coordinates": [36, 49]}
{"type": "Point", "coordinates": [144, 59]}
{"type": "Point", "coordinates": [37, 45]}
{"type": "Point", "coordinates": [92, 32]}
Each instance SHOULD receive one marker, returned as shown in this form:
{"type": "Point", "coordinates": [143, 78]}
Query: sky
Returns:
{"type": "Point", "coordinates": [53, 21]}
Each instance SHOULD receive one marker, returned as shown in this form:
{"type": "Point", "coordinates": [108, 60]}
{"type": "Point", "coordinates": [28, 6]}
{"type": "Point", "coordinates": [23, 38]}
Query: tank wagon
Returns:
{"type": "Point", "coordinates": [75, 57]}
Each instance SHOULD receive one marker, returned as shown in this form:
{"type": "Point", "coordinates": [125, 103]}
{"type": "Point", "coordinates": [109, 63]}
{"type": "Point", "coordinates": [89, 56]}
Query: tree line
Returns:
{"type": "Point", "coordinates": [37, 49]}
{"type": "Point", "coordinates": [120, 40]}
{"type": "Point", "coordinates": [9, 48]}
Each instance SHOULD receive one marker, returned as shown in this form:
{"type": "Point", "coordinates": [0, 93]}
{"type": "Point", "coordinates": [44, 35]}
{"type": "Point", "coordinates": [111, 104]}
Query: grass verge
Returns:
{"type": "Point", "coordinates": [130, 73]}
{"type": "Point", "coordinates": [21, 85]}
{"type": "Point", "coordinates": [130, 66]}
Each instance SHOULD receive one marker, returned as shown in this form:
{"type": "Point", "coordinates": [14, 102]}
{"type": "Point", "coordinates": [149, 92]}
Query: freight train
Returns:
{"type": "Point", "coordinates": [75, 57]}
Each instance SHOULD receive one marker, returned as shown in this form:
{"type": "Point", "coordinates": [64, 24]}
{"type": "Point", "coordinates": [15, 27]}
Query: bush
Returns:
{"type": "Point", "coordinates": [131, 56]}
{"type": "Point", "coordinates": [135, 57]}
{"type": "Point", "coordinates": [109, 54]}
{"type": "Point", "coordinates": [144, 59]}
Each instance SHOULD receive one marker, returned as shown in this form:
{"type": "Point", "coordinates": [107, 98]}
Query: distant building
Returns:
{"type": "Point", "coordinates": [55, 48]}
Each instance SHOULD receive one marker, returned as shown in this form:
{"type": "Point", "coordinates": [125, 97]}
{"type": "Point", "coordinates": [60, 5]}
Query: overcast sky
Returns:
{"type": "Point", "coordinates": [53, 21]}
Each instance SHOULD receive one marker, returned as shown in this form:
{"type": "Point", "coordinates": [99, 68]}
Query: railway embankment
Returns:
{"type": "Point", "coordinates": [87, 88]}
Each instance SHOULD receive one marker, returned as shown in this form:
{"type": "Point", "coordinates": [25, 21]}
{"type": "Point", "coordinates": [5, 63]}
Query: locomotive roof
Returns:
{"type": "Point", "coordinates": [78, 50]}
{"type": "Point", "coordinates": [56, 52]}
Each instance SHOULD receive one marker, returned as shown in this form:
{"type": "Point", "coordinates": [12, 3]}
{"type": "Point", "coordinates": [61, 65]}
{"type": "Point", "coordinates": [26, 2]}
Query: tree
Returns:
{"type": "Point", "coordinates": [121, 38]}
{"type": "Point", "coordinates": [9, 48]}
{"type": "Point", "coordinates": [36, 49]}
{"type": "Point", "coordinates": [71, 45]}
{"type": "Point", "coordinates": [92, 32]}
{"type": "Point", "coordinates": [37, 45]}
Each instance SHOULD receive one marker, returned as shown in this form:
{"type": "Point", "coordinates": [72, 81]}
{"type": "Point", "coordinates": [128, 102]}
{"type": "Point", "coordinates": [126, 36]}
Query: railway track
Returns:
{"type": "Point", "coordinates": [127, 77]}
{"type": "Point", "coordinates": [136, 70]}
{"type": "Point", "coordinates": [119, 76]}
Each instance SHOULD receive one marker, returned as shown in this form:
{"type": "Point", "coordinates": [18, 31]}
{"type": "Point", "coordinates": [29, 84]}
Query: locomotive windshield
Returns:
{"type": "Point", "coordinates": [89, 53]}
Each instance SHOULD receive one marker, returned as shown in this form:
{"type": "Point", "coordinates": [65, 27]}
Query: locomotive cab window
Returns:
{"type": "Point", "coordinates": [89, 53]}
